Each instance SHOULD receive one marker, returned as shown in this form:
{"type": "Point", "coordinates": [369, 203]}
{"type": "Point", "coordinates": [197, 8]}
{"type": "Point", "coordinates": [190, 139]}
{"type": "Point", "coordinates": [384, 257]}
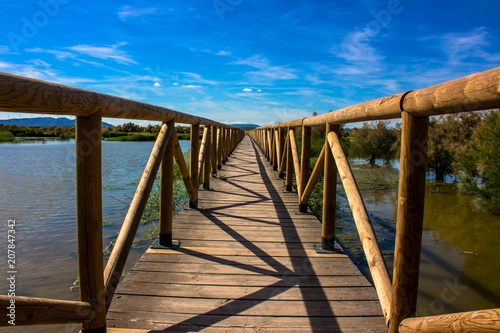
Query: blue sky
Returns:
{"type": "Point", "coordinates": [241, 61]}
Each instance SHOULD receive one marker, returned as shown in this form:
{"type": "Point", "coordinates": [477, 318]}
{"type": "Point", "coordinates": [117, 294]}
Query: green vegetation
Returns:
{"type": "Point", "coordinates": [39, 131]}
{"type": "Point", "coordinates": [375, 141]}
{"type": "Point", "coordinates": [135, 137]}
{"type": "Point", "coordinates": [6, 136]}
{"type": "Point", "coordinates": [479, 163]}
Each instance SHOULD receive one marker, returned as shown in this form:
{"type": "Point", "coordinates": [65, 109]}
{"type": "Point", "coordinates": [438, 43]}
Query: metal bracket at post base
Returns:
{"type": "Point", "coordinates": [206, 187]}
{"type": "Point", "coordinates": [281, 176]}
{"type": "Point", "coordinates": [193, 205]}
{"type": "Point", "coordinates": [289, 189]}
{"type": "Point", "coordinates": [165, 242]}
{"type": "Point", "coordinates": [328, 246]}
{"type": "Point", "coordinates": [302, 210]}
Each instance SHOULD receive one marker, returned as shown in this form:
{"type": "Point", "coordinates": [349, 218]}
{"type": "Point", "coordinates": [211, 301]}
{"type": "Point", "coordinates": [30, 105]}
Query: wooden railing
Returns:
{"type": "Point", "coordinates": [98, 283]}
{"type": "Point", "coordinates": [398, 299]}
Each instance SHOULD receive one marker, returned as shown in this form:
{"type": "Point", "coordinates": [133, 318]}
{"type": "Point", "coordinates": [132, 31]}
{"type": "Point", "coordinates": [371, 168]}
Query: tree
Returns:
{"type": "Point", "coordinates": [479, 163]}
{"type": "Point", "coordinates": [375, 141]}
{"type": "Point", "coordinates": [447, 135]}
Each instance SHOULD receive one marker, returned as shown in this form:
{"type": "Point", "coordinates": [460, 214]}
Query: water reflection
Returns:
{"type": "Point", "coordinates": [38, 191]}
{"type": "Point", "coordinates": [459, 268]}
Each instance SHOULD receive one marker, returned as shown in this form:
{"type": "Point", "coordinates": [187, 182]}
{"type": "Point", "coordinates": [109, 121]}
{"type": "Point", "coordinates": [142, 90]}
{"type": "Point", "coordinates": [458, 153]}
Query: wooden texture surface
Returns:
{"type": "Point", "coordinates": [246, 263]}
{"type": "Point", "coordinates": [121, 249]}
{"type": "Point", "coordinates": [371, 248]}
{"type": "Point", "coordinates": [473, 321]}
{"type": "Point", "coordinates": [410, 219]}
{"type": "Point", "coordinates": [89, 216]}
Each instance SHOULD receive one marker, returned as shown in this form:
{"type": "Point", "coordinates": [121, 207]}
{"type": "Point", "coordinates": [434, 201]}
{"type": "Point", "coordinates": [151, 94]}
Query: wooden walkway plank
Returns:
{"type": "Point", "coordinates": [246, 264]}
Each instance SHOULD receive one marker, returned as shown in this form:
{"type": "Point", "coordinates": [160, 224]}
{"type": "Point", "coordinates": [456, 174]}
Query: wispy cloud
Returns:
{"type": "Point", "coordinates": [266, 71]}
{"type": "Point", "coordinates": [191, 86]}
{"type": "Point", "coordinates": [4, 49]}
{"type": "Point", "coordinates": [61, 55]}
{"type": "Point", "coordinates": [196, 78]}
{"type": "Point", "coordinates": [247, 90]}
{"type": "Point", "coordinates": [356, 47]}
{"type": "Point", "coordinates": [463, 46]}
{"type": "Point", "coordinates": [105, 52]}
{"type": "Point", "coordinates": [129, 12]}
{"type": "Point", "coordinates": [39, 69]}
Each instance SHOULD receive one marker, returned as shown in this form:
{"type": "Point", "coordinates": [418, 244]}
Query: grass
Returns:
{"type": "Point", "coordinates": [6, 136]}
{"type": "Point", "coordinates": [135, 137]}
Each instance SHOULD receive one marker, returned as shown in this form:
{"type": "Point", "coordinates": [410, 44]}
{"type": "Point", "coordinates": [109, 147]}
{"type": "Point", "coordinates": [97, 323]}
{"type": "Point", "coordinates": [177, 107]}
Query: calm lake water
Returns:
{"type": "Point", "coordinates": [459, 269]}
{"type": "Point", "coordinates": [37, 189]}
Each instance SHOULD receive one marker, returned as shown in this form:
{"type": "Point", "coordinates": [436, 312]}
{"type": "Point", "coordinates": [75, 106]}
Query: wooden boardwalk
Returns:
{"type": "Point", "coordinates": [246, 263]}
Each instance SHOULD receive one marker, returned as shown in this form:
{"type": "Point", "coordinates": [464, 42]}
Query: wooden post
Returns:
{"type": "Point", "coordinates": [371, 248]}
{"type": "Point", "coordinates": [281, 151]}
{"type": "Point", "coordinates": [304, 162]}
{"type": "Point", "coordinates": [276, 150]}
{"type": "Point", "coordinates": [295, 156]}
{"type": "Point", "coordinates": [410, 218]}
{"type": "Point", "coordinates": [223, 145]}
{"type": "Point", "coordinates": [203, 153]}
{"type": "Point", "coordinates": [167, 191]}
{"type": "Point", "coordinates": [289, 164]}
{"type": "Point", "coordinates": [213, 152]}
{"type": "Point", "coordinates": [313, 179]}
{"type": "Point", "coordinates": [195, 143]}
{"type": "Point", "coordinates": [329, 196]}
{"type": "Point", "coordinates": [206, 165]}
{"type": "Point", "coordinates": [219, 148]}
{"type": "Point", "coordinates": [89, 218]}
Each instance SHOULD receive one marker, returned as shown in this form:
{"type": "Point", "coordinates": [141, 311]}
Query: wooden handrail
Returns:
{"type": "Point", "coordinates": [97, 284]}
{"type": "Point", "coordinates": [480, 91]}
{"type": "Point", "coordinates": [22, 94]}
{"type": "Point", "coordinates": [43, 311]}
{"type": "Point", "coordinates": [486, 321]}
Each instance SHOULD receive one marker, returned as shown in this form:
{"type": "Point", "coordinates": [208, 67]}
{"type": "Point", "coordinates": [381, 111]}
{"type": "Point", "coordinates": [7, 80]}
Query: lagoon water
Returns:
{"type": "Point", "coordinates": [37, 190]}
{"type": "Point", "coordinates": [459, 268]}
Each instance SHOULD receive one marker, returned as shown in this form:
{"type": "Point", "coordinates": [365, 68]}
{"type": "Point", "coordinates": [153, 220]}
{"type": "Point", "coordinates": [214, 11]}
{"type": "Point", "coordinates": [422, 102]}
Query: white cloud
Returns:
{"type": "Point", "coordinates": [461, 46]}
{"type": "Point", "coordinates": [224, 53]}
{"type": "Point", "coordinates": [157, 84]}
{"type": "Point", "coordinates": [130, 12]}
{"type": "Point", "coordinates": [4, 49]}
{"type": "Point", "coordinates": [266, 70]}
{"type": "Point", "coordinates": [355, 47]}
{"type": "Point", "coordinates": [260, 90]}
{"type": "Point", "coordinates": [105, 52]}
{"type": "Point", "coordinates": [62, 55]}
{"type": "Point", "coordinates": [247, 90]}
{"type": "Point", "coordinates": [196, 78]}
{"type": "Point", "coordinates": [192, 86]}
{"type": "Point", "coordinates": [176, 84]}
{"type": "Point", "coordinates": [38, 69]}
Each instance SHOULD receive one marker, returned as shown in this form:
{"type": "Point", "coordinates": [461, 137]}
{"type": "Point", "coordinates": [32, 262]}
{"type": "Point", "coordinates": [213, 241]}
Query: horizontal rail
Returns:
{"type": "Point", "coordinates": [22, 94]}
{"type": "Point", "coordinates": [43, 311]}
{"type": "Point", "coordinates": [473, 321]}
{"type": "Point", "coordinates": [480, 91]}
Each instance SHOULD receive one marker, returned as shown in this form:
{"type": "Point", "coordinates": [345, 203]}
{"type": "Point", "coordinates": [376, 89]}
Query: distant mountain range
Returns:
{"type": "Point", "coordinates": [44, 122]}
{"type": "Point", "coordinates": [245, 126]}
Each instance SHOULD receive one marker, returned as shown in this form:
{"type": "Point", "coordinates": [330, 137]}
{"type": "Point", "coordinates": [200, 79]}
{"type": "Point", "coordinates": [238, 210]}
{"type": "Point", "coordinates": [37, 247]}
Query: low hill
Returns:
{"type": "Point", "coordinates": [44, 122]}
